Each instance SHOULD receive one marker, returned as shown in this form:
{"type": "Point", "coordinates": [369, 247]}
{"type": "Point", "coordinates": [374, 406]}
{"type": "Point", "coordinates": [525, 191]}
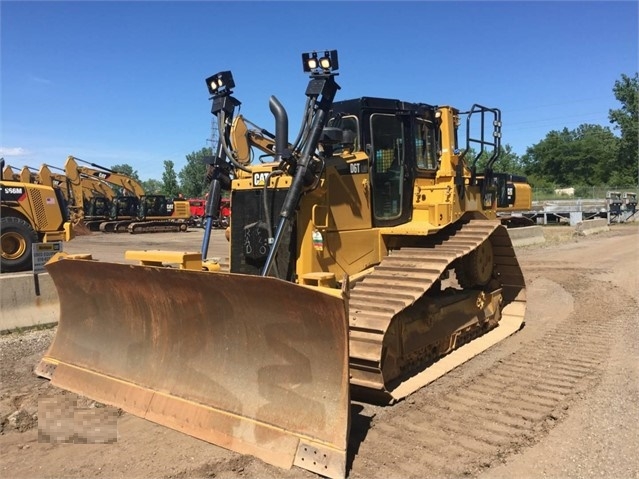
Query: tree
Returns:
{"type": "Point", "coordinates": [508, 161]}
{"type": "Point", "coordinates": [193, 175]}
{"type": "Point", "coordinates": [153, 187]}
{"type": "Point", "coordinates": [597, 148]}
{"type": "Point", "coordinates": [626, 119]}
{"type": "Point", "coordinates": [170, 185]}
{"type": "Point", "coordinates": [127, 170]}
{"type": "Point", "coordinates": [584, 156]}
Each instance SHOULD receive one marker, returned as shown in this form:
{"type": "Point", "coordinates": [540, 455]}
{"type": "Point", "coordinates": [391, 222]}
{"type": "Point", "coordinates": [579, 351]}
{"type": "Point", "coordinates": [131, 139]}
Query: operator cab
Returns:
{"type": "Point", "coordinates": [401, 141]}
{"type": "Point", "coordinates": [124, 207]}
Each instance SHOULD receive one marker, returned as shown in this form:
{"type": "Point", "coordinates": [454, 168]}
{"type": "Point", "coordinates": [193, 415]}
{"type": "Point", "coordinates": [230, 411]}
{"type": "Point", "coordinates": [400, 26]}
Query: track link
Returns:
{"type": "Point", "coordinates": [406, 277]}
{"type": "Point", "coordinates": [157, 226]}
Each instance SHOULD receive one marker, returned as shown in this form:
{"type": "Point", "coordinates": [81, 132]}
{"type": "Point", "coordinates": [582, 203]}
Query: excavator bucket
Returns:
{"type": "Point", "coordinates": [253, 364]}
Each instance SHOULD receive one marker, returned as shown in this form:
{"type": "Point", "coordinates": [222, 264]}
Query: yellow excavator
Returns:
{"type": "Point", "coordinates": [88, 198]}
{"type": "Point", "coordinates": [8, 174]}
{"type": "Point", "coordinates": [134, 211]}
{"type": "Point", "coordinates": [92, 186]}
{"type": "Point", "coordinates": [366, 259]}
{"type": "Point", "coordinates": [78, 178]}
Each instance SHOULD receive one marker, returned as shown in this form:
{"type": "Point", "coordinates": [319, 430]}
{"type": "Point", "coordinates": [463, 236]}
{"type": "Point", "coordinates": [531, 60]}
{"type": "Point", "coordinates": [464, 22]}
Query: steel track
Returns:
{"type": "Point", "coordinates": [404, 277]}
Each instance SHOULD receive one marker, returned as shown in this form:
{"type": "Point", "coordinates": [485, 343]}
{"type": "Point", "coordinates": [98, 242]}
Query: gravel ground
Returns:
{"type": "Point", "coordinates": [558, 399]}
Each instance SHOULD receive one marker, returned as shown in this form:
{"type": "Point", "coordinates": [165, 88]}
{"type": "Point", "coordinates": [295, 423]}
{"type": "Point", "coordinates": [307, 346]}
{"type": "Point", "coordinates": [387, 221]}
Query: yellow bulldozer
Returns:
{"type": "Point", "coordinates": [366, 259]}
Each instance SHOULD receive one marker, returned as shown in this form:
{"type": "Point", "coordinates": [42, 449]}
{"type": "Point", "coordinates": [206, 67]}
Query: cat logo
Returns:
{"type": "Point", "coordinates": [259, 178]}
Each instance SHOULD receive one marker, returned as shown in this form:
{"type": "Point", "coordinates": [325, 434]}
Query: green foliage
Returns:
{"type": "Point", "coordinates": [170, 185]}
{"type": "Point", "coordinates": [626, 119]}
{"type": "Point", "coordinates": [583, 156]}
{"type": "Point", "coordinates": [152, 187]}
{"type": "Point", "coordinates": [539, 182]}
{"type": "Point", "coordinates": [591, 154]}
{"type": "Point", "coordinates": [193, 175]}
{"type": "Point", "coordinates": [508, 161]}
{"type": "Point", "coordinates": [127, 170]}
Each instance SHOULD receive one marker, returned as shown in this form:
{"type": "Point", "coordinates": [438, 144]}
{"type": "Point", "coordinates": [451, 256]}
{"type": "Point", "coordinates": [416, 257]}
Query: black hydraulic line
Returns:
{"type": "Point", "coordinates": [211, 211]}
{"type": "Point", "coordinates": [96, 166]}
{"type": "Point", "coordinates": [223, 105]}
{"type": "Point", "coordinates": [308, 110]}
{"type": "Point", "coordinates": [267, 210]}
{"type": "Point", "coordinates": [214, 198]}
{"type": "Point", "coordinates": [326, 86]}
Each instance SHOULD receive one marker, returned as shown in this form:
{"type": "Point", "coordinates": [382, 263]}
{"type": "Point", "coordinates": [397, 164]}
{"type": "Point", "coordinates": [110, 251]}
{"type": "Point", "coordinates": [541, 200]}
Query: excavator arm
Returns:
{"type": "Point", "coordinates": [91, 185]}
{"type": "Point", "coordinates": [75, 172]}
{"type": "Point", "coordinates": [244, 139]}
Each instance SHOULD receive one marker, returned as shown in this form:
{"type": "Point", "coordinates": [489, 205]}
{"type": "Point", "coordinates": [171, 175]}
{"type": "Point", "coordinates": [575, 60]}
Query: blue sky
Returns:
{"type": "Point", "coordinates": [123, 82]}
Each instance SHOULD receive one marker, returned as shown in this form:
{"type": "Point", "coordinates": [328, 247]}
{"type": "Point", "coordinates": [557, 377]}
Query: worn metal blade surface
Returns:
{"type": "Point", "coordinates": [256, 365]}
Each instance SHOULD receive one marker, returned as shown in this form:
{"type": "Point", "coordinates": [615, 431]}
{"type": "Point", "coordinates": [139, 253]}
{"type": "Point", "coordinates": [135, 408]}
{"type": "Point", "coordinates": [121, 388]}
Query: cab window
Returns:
{"type": "Point", "coordinates": [388, 165]}
{"type": "Point", "coordinates": [425, 145]}
{"type": "Point", "coordinates": [350, 128]}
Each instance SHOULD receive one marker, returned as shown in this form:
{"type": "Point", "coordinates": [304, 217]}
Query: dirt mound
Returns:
{"type": "Point", "coordinates": [80, 229]}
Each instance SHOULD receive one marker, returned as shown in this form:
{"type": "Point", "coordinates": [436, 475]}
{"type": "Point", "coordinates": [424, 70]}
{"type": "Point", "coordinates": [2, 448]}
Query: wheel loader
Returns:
{"type": "Point", "coordinates": [365, 261]}
{"type": "Point", "coordinates": [30, 213]}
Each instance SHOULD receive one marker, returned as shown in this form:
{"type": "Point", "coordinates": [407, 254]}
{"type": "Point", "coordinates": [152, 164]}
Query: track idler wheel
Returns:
{"type": "Point", "coordinates": [476, 268]}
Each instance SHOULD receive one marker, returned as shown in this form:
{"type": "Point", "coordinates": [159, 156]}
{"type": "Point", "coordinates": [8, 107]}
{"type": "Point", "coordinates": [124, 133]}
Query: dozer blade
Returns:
{"type": "Point", "coordinates": [256, 365]}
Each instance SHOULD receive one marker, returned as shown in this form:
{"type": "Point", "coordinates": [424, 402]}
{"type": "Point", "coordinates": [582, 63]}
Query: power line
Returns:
{"type": "Point", "coordinates": [553, 125]}
{"type": "Point", "coordinates": [580, 115]}
{"type": "Point", "coordinates": [572, 102]}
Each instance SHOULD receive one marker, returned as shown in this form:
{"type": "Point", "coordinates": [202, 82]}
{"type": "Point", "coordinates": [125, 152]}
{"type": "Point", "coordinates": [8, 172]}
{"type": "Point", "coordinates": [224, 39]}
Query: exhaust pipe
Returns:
{"type": "Point", "coordinates": [281, 128]}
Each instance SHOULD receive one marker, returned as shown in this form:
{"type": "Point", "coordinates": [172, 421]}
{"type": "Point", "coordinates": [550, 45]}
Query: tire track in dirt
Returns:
{"type": "Point", "coordinates": [497, 412]}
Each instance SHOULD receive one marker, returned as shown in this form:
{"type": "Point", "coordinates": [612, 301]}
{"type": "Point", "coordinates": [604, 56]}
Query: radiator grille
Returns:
{"type": "Point", "coordinates": [39, 209]}
{"type": "Point", "coordinates": [247, 207]}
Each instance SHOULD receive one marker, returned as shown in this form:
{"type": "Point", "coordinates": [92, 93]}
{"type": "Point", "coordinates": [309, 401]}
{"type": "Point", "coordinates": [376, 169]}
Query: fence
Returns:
{"type": "Point", "coordinates": [580, 192]}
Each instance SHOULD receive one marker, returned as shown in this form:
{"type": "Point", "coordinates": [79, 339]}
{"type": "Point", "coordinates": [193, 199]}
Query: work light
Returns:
{"type": "Point", "coordinates": [220, 83]}
{"type": "Point", "coordinates": [325, 63]}
{"type": "Point", "coordinates": [314, 64]}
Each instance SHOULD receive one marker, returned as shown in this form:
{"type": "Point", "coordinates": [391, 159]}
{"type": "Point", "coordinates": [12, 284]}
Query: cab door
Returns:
{"type": "Point", "coordinates": [348, 180]}
{"type": "Point", "coordinates": [390, 179]}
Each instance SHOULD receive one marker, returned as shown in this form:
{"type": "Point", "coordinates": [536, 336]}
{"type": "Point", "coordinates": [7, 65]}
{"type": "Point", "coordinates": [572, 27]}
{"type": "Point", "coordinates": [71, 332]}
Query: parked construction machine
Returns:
{"type": "Point", "coordinates": [95, 212]}
{"type": "Point", "coordinates": [30, 213]}
{"type": "Point", "coordinates": [92, 187]}
{"type": "Point", "coordinates": [147, 214]}
{"type": "Point", "coordinates": [88, 198]}
{"type": "Point", "coordinates": [514, 198]}
{"type": "Point", "coordinates": [366, 259]}
{"type": "Point", "coordinates": [8, 174]}
{"type": "Point", "coordinates": [133, 211]}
